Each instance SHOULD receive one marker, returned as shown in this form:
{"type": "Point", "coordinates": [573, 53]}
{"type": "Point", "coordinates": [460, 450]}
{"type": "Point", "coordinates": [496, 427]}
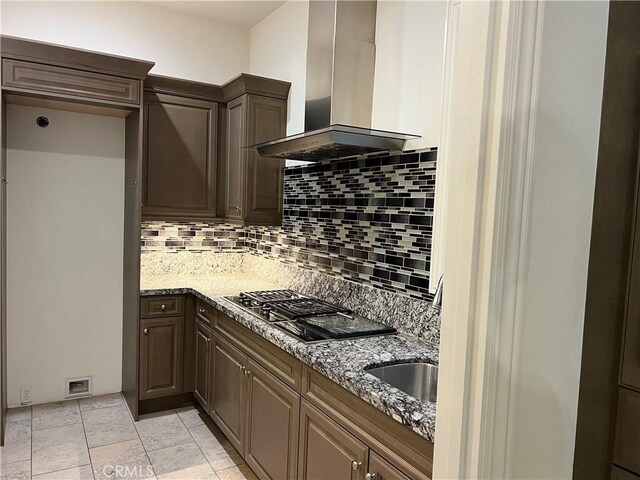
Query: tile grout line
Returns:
{"type": "Point", "coordinates": [63, 469]}
{"type": "Point", "coordinates": [86, 440]}
{"type": "Point", "coordinates": [146, 453]}
{"type": "Point", "coordinates": [31, 443]}
{"type": "Point", "coordinates": [214, 469]}
{"type": "Point", "coordinates": [101, 408]}
{"type": "Point", "coordinates": [194, 441]}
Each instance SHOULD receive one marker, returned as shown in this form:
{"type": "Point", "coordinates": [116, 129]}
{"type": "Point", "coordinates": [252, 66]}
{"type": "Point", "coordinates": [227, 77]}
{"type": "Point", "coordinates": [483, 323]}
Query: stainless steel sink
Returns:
{"type": "Point", "coordinates": [420, 380]}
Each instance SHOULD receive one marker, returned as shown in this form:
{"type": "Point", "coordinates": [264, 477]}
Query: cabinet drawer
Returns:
{"type": "Point", "coordinates": [275, 360]}
{"type": "Point", "coordinates": [90, 85]}
{"type": "Point", "coordinates": [205, 312]}
{"type": "Point", "coordinates": [165, 306]}
{"type": "Point", "coordinates": [626, 451]}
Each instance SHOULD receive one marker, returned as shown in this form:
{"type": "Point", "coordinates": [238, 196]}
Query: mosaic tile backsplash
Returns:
{"type": "Point", "coordinates": [367, 220]}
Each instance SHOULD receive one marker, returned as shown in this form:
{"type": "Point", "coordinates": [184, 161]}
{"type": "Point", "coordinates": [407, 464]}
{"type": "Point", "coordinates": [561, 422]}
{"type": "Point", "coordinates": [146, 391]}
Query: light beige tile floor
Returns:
{"type": "Point", "coordinates": [96, 438]}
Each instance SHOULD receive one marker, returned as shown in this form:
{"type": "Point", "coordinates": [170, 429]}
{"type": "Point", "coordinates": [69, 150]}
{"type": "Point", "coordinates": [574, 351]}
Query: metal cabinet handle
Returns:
{"type": "Point", "coordinates": [242, 369]}
{"type": "Point", "coordinates": [238, 209]}
{"type": "Point", "coordinates": [163, 307]}
{"type": "Point", "coordinates": [356, 465]}
{"type": "Point", "coordinates": [146, 330]}
{"type": "Point", "coordinates": [370, 476]}
{"type": "Point", "coordinates": [247, 372]}
{"type": "Point", "coordinates": [202, 311]}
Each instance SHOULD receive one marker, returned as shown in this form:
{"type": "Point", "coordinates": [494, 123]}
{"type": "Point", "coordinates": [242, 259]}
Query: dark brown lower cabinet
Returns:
{"type": "Point", "coordinates": [328, 451]}
{"type": "Point", "coordinates": [286, 420]}
{"type": "Point", "coordinates": [256, 411]}
{"type": "Point", "coordinates": [161, 357]}
{"type": "Point", "coordinates": [273, 411]}
{"type": "Point", "coordinates": [201, 389]}
{"type": "Point", "coordinates": [229, 391]}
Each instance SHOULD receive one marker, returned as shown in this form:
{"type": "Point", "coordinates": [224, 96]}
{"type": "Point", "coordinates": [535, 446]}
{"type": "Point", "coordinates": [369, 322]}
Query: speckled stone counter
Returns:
{"type": "Point", "coordinates": [343, 361]}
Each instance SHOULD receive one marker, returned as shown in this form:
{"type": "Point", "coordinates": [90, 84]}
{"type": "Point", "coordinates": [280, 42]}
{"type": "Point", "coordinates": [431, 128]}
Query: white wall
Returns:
{"type": "Point", "coordinates": [278, 49]}
{"type": "Point", "coordinates": [65, 211]}
{"type": "Point", "coordinates": [407, 93]}
{"type": "Point", "coordinates": [521, 144]}
{"type": "Point", "coordinates": [565, 156]}
{"type": "Point", "coordinates": [182, 45]}
{"type": "Point", "coordinates": [409, 60]}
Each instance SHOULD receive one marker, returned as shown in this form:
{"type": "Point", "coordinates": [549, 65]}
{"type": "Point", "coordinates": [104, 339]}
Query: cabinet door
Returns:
{"type": "Point", "coordinates": [235, 159]}
{"type": "Point", "coordinates": [179, 171]}
{"type": "Point", "coordinates": [203, 363]}
{"type": "Point", "coordinates": [273, 412]}
{"type": "Point", "coordinates": [267, 120]}
{"type": "Point", "coordinates": [327, 451]}
{"type": "Point", "coordinates": [228, 391]}
{"type": "Point", "coordinates": [380, 469]}
{"type": "Point", "coordinates": [160, 357]}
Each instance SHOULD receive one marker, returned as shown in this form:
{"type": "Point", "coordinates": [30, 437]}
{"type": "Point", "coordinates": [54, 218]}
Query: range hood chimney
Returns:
{"type": "Point", "coordinates": [341, 54]}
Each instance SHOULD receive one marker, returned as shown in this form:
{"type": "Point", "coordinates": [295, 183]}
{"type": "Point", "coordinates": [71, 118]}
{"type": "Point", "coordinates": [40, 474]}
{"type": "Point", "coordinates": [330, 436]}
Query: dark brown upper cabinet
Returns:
{"type": "Point", "coordinates": [49, 79]}
{"type": "Point", "coordinates": [180, 161]}
{"type": "Point", "coordinates": [196, 164]}
{"type": "Point", "coordinates": [253, 185]}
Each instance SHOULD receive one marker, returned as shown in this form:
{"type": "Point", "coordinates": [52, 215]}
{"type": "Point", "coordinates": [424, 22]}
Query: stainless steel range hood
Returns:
{"type": "Point", "coordinates": [341, 55]}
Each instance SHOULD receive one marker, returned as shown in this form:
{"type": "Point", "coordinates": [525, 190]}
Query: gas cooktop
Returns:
{"type": "Point", "coordinates": [307, 318]}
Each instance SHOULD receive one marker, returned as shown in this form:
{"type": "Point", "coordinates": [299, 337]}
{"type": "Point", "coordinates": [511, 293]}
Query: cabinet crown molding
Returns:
{"type": "Point", "coordinates": [253, 84]}
{"type": "Point", "coordinates": [71, 57]}
{"type": "Point", "coordinates": [185, 88]}
{"type": "Point", "coordinates": [242, 84]}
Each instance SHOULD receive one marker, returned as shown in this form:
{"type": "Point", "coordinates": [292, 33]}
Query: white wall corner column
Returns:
{"type": "Point", "coordinates": [520, 132]}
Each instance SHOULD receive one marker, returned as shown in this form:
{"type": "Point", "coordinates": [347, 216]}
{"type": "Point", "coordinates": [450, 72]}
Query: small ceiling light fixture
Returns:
{"type": "Point", "coordinates": [42, 122]}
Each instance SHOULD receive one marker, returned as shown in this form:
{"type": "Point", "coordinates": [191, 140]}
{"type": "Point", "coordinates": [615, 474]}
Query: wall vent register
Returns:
{"type": "Point", "coordinates": [78, 387]}
{"type": "Point", "coordinates": [306, 318]}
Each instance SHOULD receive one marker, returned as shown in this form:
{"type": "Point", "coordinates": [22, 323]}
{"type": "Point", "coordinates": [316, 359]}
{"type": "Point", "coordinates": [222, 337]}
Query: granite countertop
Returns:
{"type": "Point", "coordinates": [343, 361]}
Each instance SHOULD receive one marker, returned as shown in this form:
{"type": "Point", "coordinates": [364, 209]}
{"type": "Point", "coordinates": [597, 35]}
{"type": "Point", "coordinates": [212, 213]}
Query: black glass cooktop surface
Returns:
{"type": "Point", "coordinates": [344, 326]}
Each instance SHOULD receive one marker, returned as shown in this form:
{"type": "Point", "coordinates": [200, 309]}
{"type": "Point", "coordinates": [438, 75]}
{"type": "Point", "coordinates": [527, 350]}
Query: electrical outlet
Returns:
{"type": "Point", "coordinates": [26, 396]}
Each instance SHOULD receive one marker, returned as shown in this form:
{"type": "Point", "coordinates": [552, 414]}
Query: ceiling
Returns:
{"type": "Point", "coordinates": [245, 13]}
